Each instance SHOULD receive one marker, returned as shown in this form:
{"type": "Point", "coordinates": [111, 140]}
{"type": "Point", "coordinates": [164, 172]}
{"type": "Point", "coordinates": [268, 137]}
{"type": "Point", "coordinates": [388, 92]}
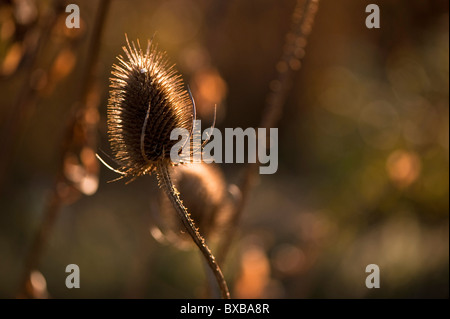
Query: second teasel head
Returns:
{"type": "Point", "coordinates": [206, 194]}
{"type": "Point", "coordinates": [147, 101]}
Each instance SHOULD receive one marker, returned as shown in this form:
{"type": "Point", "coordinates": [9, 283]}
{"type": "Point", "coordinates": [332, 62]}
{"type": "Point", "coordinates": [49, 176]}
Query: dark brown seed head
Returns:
{"type": "Point", "coordinates": [147, 101]}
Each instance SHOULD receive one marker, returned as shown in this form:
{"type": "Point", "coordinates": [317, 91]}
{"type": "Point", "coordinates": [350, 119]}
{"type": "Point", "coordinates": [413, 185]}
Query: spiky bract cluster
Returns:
{"type": "Point", "coordinates": [147, 101]}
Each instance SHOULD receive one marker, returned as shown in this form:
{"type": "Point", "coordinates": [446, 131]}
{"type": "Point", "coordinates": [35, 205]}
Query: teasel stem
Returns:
{"type": "Point", "coordinates": [165, 182]}
{"type": "Point", "coordinates": [212, 291]}
{"type": "Point", "coordinates": [296, 39]}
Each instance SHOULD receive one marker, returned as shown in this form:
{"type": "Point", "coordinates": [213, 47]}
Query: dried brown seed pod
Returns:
{"type": "Point", "coordinates": [147, 101]}
{"type": "Point", "coordinates": [205, 193]}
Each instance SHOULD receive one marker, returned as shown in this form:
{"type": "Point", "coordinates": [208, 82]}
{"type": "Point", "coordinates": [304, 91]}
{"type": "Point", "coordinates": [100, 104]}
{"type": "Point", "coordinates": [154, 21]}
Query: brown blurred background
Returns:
{"type": "Point", "coordinates": [363, 148]}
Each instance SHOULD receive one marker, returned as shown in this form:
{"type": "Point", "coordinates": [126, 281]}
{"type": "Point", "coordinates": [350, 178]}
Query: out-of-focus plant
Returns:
{"type": "Point", "coordinates": [78, 169]}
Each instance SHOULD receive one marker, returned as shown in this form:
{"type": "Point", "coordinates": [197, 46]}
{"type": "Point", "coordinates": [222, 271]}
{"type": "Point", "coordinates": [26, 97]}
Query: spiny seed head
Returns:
{"type": "Point", "coordinates": [205, 193]}
{"type": "Point", "coordinates": [147, 101]}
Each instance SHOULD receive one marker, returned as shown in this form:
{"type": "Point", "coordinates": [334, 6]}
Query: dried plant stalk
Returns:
{"type": "Point", "coordinates": [71, 144]}
{"type": "Point", "coordinates": [205, 192]}
{"type": "Point", "coordinates": [28, 96]}
{"type": "Point", "coordinates": [166, 184]}
{"type": "Point", "coordinates": [296, 40]}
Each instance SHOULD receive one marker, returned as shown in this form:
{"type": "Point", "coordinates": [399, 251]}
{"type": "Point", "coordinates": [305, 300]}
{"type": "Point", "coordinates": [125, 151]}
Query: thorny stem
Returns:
{"type": "Point", "coordinates": [165, 182]}
{"type": "Point", "coordinates": [211, 290]}
{"type": "Point", "coordinates": [302, 21]}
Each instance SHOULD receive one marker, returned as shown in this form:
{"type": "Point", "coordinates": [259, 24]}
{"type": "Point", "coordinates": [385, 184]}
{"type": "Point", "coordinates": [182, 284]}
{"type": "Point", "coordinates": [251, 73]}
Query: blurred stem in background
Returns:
{"type": "Point", "coordinates": [289, 63]}
{"type": "Point", "coordinates": [28, 96]}
{"type": "Point", "coordinates": [78, 169]}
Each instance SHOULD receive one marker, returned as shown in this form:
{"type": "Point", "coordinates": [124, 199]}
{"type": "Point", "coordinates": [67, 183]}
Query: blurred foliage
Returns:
{"type": "Point", "coordinates": [364, 149]}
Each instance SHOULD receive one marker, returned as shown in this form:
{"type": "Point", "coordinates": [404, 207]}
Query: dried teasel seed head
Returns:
{"type": "Point", "coordinates": [147, 101]}
{"type": "Point", "coordinates": [205, 192]}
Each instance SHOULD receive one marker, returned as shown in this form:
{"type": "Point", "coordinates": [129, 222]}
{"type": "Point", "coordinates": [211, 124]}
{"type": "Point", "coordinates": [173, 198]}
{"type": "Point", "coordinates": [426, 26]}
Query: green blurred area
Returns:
{"type": "Point", "coordinates": [363, 172]}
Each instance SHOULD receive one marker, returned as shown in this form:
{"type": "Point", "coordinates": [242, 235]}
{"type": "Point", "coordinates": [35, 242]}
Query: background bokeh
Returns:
{"type": "Point", "coordinates": [363, 172]}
